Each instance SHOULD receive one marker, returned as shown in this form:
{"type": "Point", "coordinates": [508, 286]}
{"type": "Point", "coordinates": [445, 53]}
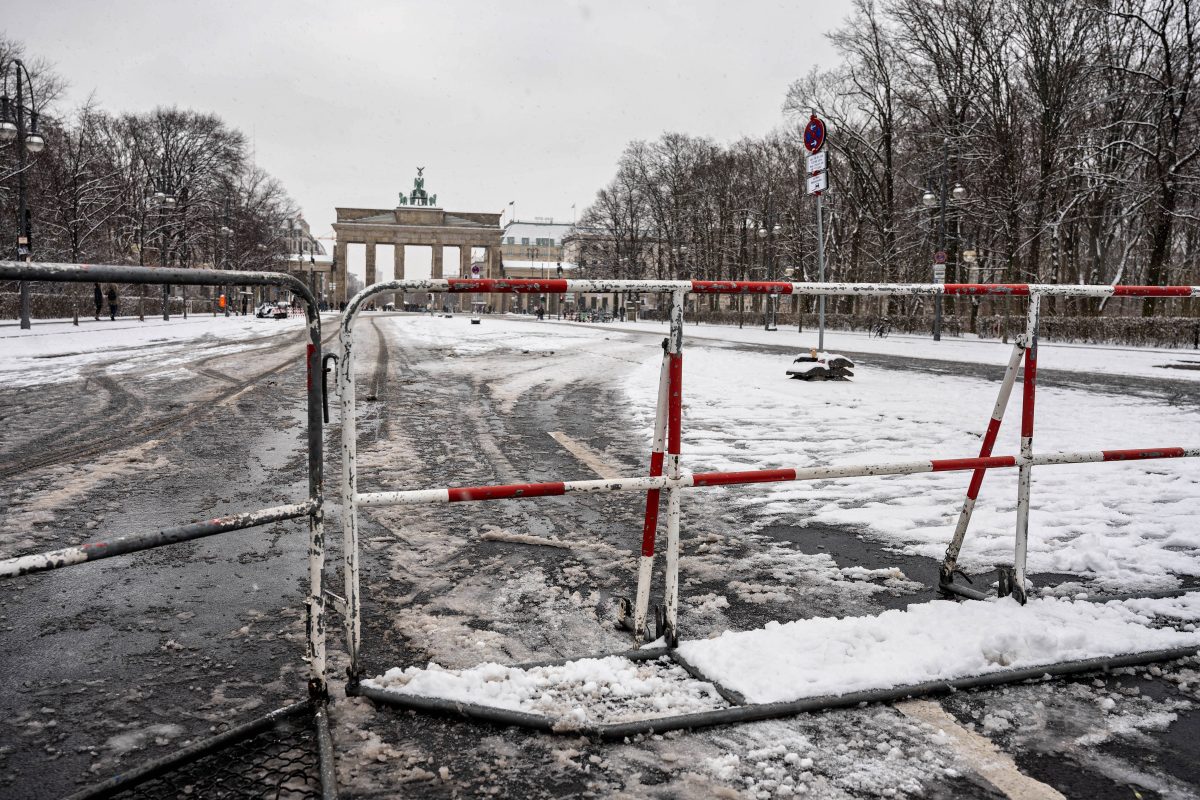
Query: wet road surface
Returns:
{"type": "Point", "coordinates": [111, 663]}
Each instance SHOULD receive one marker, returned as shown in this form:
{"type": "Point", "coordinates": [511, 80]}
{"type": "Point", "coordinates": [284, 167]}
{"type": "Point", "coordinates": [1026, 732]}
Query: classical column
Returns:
{"type": "Point", "coordinates": [491, 269]}
{"type": "Point", "coordinates": [464, 261]}
{"type": "Point", "coordinates": [370, 262]}
{"type": "Point", "coordinates": [437, 261]}
{"type": "Point", "coordinates": [464, 271]}
{"type": "Point", "coordinates": [398, 272]}
{"type": "Point", "coordinates": [340, 273]}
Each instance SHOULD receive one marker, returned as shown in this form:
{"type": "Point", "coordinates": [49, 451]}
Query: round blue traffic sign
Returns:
{"type": "Point", "coordinates": [814, 134]}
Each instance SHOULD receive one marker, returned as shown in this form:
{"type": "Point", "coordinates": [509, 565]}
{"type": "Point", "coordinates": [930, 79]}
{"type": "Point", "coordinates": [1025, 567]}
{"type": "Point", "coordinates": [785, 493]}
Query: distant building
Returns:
{"type": "Point", "coordinates": [535, 250]}
{"type": "Point", "coordinates": [306, 257]}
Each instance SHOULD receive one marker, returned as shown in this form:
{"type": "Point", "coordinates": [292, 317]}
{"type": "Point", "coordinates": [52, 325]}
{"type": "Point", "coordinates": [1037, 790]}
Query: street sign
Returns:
{"type": "Point", "coordinates": [816, 163]}
{"type": "Point", "coordinates": [939, 257]}
{"type": "Point", "coordinates": [22, 240]}
{"type": "Point", "coordinates": [939, 273]}
{"type": "Point", "coordinates": [814, 134]}
{"type": "Point", "coordinates": [475, 269]}
{"type": "Point", "coordinates": [818, 182]}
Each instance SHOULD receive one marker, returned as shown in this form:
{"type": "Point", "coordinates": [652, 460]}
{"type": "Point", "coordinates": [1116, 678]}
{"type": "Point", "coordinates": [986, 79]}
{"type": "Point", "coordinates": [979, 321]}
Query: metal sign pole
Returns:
{"type": "Point", "coordinates": [818, 181]}
{"type": "Point", "coordinates": [820, 278]}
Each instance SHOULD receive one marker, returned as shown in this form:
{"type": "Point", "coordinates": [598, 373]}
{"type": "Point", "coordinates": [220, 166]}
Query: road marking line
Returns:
{"type": "Point", "coordinates": [594, 461]}
{"type": "Point", "coordinates": [989, 762]}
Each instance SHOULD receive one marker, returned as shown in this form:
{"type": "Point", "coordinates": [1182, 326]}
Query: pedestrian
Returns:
{"type": "Point", "coordinates": [99, 299]}
{"type": "Point", "coordinates": [243, 305]}
{"type": "Point", "coordinates": [112, 301]}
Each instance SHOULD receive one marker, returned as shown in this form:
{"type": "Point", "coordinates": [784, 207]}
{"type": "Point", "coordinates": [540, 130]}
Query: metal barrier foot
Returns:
{"type": "Point", "coordinates": [1004, 582]}
{"type": "Point", "coordinates": [951, 590]}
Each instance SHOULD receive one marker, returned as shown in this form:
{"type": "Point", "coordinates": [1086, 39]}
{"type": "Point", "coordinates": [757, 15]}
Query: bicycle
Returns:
{"type": "Point", "coordinates": [880, 329]}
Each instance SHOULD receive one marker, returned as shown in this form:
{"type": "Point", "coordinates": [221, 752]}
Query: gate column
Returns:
{"type": "Point", "coordinates": [464, 271]}
{"type": "Point", "coordinates": [398, 270]}
{"type": "Point", "coordinates": [340, 271]}
{"type": "Point", "coordinates": [370, 262]}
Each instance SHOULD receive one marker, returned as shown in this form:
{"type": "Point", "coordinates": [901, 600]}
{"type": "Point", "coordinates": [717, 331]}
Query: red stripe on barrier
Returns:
{"type": "Point", "coordinates": [650, 526]}
{"type": "Point", "coordinates": [1028, 389]}
{"type": "Point", "coordinates": [516, 490]}
{"type": "Point", "coordinates": [985, 450]}
{"type": "Point", "coordinates": [741, 287]}
{"type": "Point", "coordinates": [1010, 289]}
{"type": "Point", "coordinates": [1152, 291]}
{"type": "Point", "coordinates": [1137, 455]}
{"type": "Point", "coordinates": [515, 285]}
{"type": "Point", "coordinates": [675, 403]}
{"type": "Point", "coordinates": [982, 463]}
{"type": "Point", "coordinates": [308, 365]}
{"type": "Point", "coordinates": [735, 478]}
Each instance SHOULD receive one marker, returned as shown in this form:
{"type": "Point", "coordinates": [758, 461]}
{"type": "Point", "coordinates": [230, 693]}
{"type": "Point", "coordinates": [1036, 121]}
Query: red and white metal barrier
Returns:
{"type": "Point", "coordinates": [665, 471]}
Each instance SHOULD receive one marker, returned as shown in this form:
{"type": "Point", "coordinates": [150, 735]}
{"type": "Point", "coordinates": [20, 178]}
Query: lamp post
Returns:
{"type": "Point", "coordinates": [12, 128]}
{"type": "Point", "coordinates": [164, 201]}
{"type": "Point", "coordinates": [929, 199]}
{"type": "Point", "coordinates": [768, 237]}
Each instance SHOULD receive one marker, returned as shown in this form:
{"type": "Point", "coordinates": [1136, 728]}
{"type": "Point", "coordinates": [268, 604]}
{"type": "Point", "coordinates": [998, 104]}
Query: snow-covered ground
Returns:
{"type": "Point", "coordinates": [1124, 526]}
{"type": "Point", "coordinates": [1139, 361]}
{"type": "Point", "coordinates": [820, 657]}
{"type": "Point", "coordinates": [1128, 526]}
{"type": "Point", "coordinates": [54, 352]}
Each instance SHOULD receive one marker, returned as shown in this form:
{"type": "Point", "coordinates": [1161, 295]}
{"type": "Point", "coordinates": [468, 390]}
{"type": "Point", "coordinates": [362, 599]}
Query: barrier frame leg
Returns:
{"type": "Point", "coordinates": [349, 487]}
{"type": "Point", "coordinates": [674, 494]}
{"type": "Point", "coordinates": [1025, 476]}
{"type": "Point", "coordinates": [950, 562]}
{"type": "Point", "coordinates": [650, 525]}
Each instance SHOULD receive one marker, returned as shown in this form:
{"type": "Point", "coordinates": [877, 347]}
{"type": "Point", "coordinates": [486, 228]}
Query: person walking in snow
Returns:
{"type": "Point", "coordinates": [112, 301]}
{"type": "Point", "coordinates": [99, 298]}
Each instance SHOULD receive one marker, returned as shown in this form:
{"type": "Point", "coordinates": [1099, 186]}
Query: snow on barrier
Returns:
{"type": "Point", "coordinates": [665, 476]}
{"type": "Point", "coordinates": [310, 509]}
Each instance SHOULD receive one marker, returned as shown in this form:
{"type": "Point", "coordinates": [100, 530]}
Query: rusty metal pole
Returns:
{"type": "Point", "coordinates": [674, 435]}
{"type": "Point", "coordinates": [950, 562]}
{"type": "Point", "coordinates": [650, 526]}
{"type": "Point", "coordinates": [1024, 479]}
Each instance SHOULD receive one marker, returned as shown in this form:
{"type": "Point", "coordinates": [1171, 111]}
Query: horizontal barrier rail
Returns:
{"type": "Point", "coordinates": [522, 491]}
{"type": "Point", "coordinates": [565, 285]}
{"type": "Point", "coordinates": [132, 543]}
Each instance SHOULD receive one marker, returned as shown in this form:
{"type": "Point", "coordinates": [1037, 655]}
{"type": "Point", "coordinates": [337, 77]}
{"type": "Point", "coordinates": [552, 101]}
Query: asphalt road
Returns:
{"type": "Point", "coordinates": [111, 663]}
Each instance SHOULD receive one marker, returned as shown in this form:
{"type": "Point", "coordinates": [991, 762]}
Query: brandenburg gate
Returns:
{"type": "Point", "coordinates": [418, 221]}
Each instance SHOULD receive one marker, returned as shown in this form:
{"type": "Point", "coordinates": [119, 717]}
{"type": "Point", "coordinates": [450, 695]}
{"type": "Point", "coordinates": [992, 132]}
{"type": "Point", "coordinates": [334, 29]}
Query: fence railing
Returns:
{"type": "Point", "coordinates": [311, 508]}
{"type": "Point", "coordinates": [664, 474]}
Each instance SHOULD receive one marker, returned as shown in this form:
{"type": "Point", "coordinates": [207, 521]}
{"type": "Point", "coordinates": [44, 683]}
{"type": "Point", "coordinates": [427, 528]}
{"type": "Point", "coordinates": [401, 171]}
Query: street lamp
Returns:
{"type": "Point", "coordinates": [770, 311]}
{"type": "Point", "coordinates": [164, 201]}
{"type": "Point", "coordinates": [970, 257]}
{"type": "Point", "coordinates": [12, 129]}
{"type": "Point", "coordinates": [929, 199]}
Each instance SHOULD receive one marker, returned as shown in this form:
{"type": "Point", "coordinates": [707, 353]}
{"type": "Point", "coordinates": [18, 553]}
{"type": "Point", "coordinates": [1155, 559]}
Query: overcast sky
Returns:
{"type": "Point", "coordinates": [524, 101]}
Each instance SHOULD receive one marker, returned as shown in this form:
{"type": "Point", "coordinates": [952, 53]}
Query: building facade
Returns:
{"type": "Point", "coordinates": [535, 249]}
